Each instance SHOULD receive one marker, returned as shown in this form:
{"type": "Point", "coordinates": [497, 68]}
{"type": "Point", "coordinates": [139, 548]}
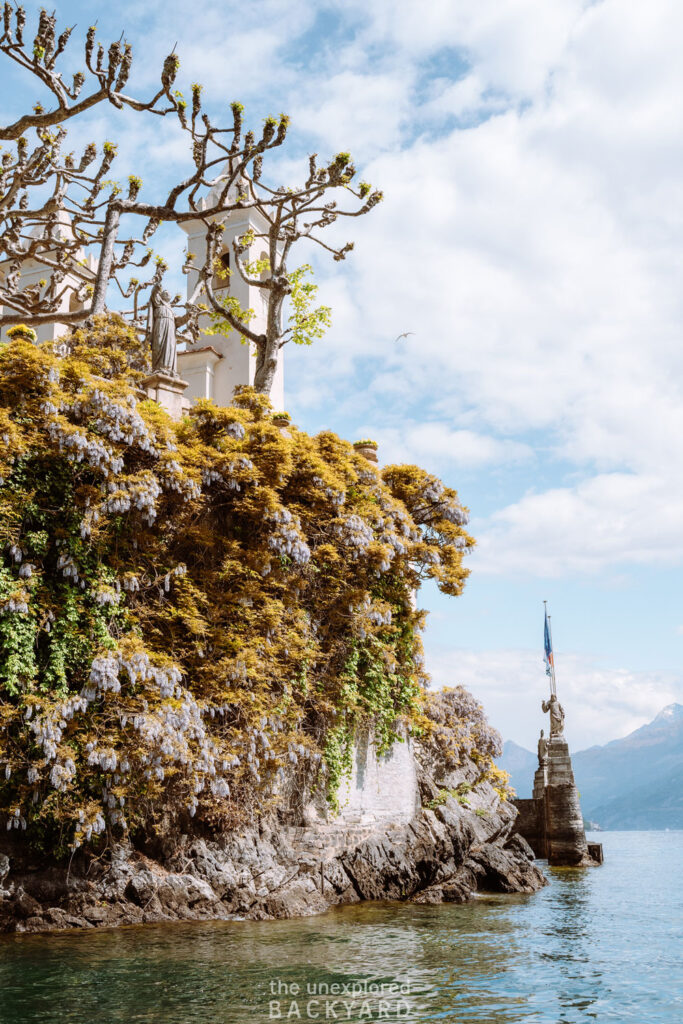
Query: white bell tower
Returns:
{"type": "Point", "coordinates": [218, 363]}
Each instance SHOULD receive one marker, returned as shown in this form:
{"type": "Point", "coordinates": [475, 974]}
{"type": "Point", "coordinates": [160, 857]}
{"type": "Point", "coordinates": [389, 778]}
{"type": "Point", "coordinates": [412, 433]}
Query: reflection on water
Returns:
{"type": "Point", "coordinates": [598, 945]}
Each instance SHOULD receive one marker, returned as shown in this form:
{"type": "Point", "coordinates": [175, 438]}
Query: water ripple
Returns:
{"type": "Point", "coordinates": [597, 945]}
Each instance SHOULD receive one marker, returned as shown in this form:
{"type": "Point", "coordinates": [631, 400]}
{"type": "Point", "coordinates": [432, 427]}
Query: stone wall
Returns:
{"type": "Point", "coordinates": [381, 788]}
{"type": "Point", "coordinates": [531, 825]}
{"type": "Point", "coordinates": [552, 822]}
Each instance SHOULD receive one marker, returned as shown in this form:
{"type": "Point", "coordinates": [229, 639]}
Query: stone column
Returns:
{"type": "Point", "coordinates": [540, 845]}
{"type": "Point", "coordinates": [565, 836]}
{"type": "Point", "coordinates": [168, 391]}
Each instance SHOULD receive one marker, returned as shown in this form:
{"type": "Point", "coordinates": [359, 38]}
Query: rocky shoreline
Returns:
{"type": "Point", "coordinates": [448, 852]}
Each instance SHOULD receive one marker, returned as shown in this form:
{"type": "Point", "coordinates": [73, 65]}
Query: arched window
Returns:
{"type": "Point", "coordinates": [221, 280]}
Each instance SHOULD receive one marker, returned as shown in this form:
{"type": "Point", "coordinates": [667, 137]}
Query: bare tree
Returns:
{"type": "Point", "coordinates": [287, 215]}
{"type": "Point", "coordinates": [64, 215]}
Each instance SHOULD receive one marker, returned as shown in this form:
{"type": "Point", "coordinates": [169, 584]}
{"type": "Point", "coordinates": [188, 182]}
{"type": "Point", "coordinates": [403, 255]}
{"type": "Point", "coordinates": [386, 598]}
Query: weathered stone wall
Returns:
{"type": "Point", "coordinates": [566, 838]}
{"type": "Point", "coordinates": [381, 788]}
{"type": "Point", "coordinates": [531, 824]}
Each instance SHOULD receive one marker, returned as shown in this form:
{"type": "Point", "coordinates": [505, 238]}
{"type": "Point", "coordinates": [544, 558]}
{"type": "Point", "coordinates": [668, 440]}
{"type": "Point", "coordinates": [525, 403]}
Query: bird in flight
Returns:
{"type": "Point", "coordinates": [405, 334]}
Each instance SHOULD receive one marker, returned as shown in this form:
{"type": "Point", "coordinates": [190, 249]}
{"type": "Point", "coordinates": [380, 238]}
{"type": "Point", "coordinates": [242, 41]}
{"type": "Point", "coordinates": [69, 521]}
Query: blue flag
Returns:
{"type": "Point", "coordinates": [547, 642]}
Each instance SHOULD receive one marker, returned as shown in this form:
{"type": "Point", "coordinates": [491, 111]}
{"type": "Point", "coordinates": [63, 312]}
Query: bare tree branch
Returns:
{"type": "Point", "coordinates": [83, 232]}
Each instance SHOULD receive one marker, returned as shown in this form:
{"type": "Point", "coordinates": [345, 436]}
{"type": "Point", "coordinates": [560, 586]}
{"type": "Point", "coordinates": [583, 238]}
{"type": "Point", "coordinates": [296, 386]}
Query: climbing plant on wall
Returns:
{"type": "Point", "coordinates": [192, 613]}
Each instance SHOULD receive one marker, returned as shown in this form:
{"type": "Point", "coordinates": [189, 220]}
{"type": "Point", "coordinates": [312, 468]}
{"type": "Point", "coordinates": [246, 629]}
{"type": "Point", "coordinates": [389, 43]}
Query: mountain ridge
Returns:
{"type": "Point", "coordinates": [629, 783]}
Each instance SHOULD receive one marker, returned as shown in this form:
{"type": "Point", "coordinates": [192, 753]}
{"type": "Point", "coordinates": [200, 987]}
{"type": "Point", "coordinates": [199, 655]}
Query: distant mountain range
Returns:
{"type": "Point", "coordinates": [632, 783]}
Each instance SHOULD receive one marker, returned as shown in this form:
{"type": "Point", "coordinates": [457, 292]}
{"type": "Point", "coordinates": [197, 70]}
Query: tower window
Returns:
{"type": "Point", "coordinates": [221, 279]}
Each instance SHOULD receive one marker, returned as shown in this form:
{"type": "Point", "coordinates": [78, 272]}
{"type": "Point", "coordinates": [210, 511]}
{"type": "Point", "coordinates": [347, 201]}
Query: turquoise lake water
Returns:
{"type": "Point", "coordinates": [602, 944]}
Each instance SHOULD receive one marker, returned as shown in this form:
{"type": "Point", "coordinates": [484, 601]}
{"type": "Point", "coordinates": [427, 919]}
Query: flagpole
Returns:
{"type": "Point", "coordinates": [553, 685]}
{"type": "Point", "coordinates": [550, 630]}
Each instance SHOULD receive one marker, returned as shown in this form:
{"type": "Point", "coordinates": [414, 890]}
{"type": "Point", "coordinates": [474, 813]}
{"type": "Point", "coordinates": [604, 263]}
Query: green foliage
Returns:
{"type": "Point", "coordinates": [193, 613]}
{"type": "Point", "coordinates": [441, 798]}
{"type": "Point", "coordinates": [457, 793]}
{"type": "Point", "coordinates": [219, 324]}
{"type": "Point", "coordinates": [338, 755]}
{"type": "Point", "coordinates": [306, 321]}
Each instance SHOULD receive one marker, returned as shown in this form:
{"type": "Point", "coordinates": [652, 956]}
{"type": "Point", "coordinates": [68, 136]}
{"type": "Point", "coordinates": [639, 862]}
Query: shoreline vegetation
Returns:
{"type": "Point", "coordinates": [197, 621]}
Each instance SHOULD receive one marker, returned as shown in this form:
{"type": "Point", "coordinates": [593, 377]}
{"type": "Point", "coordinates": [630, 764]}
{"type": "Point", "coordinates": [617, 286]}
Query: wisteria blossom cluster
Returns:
{"type": "Point", "coordinates": [454, 730]}
{"type": "Point", "coordinates": [460, 726]}
{"type": "Point", "coordinates": [196, 616]}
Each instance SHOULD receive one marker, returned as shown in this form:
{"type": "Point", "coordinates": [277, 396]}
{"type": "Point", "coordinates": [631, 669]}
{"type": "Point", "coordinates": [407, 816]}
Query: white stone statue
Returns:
{"type": "Point", "coordinates": [161, 331]}
{"type": "Point", "coordinates": [556, 715]}
{"type": "Point", "coordinates": [542, 750]}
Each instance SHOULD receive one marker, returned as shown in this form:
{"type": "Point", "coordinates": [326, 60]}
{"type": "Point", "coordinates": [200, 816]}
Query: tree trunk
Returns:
{"type": "Point", "coordinates": [266, 366]}
{"type": "Point", "coordinates": [111, 227]}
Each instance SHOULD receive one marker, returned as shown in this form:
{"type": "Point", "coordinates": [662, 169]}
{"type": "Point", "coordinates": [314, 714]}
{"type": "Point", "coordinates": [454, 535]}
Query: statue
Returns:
{"type": "Point", "coordinates": [556, 715]}
{"type": "Point", "coordinates": [542, 750]}
{"type": "Point", "coordinates": [161, 329]}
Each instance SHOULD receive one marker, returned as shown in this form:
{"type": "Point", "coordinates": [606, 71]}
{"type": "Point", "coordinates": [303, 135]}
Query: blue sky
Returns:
{"type": "Point", "coordinates": [531, 239]}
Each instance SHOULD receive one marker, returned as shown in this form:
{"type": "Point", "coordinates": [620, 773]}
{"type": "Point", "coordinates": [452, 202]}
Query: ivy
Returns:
{"type": "Point", "coordinates": [339, 762]}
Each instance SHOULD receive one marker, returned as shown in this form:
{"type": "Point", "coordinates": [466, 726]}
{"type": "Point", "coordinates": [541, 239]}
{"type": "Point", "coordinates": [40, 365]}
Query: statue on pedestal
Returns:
{"type": "Point", "coordinates": [542, 750]}
{"type": "Point", "coordinates": [556, 715]}
{"type": "Point", "coordinates": [161, 331]}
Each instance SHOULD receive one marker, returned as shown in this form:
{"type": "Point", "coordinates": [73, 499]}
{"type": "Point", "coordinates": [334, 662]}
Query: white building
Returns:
{"type": "Point", "coordinates": [33, 273]}
{"type": "Point", "coordinates": [218, 363]}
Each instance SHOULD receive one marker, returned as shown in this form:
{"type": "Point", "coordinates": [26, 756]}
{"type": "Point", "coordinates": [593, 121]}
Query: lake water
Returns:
{"type": "Point", "coordinates": [600, 944]}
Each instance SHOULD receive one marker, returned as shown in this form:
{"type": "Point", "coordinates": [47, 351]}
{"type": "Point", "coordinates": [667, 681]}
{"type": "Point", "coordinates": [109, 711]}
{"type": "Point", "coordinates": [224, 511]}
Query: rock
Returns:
{"type": "Point", "coordinates": [4, 867]}
{"type": "Point", "coordinates": [298, 899]}
{"type": "Point", "coordinates": [432, 895]}
{"type": "Point", "coordinates": [141, 888]}
{"type": "Point", "coordinates": [34, 924]}
{"type": "Point", "coordinates": [24, 905]}
{"type": "Point", "coordinates": [168, 891]}
{"type": "Point", "coordinates": [500, 870]}
{"type": "Point", "coordinates": [61, 919]}
{"type": "Point", "coordinates": [275, 870]}
{"type": "Point", "coordinates": [334, 877]}
{"type": "Point", "coordinates": [98, 915]}
{"type": "Point", "coordinates": [517, 844]}
{"type": "Point", "coordinates": [211, 864]}
{"type": "Point", "coordinates": [185, 890]}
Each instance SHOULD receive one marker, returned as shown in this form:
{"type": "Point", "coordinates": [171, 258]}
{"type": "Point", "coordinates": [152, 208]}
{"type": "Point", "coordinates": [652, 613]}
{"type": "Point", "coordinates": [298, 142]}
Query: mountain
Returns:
{"type": "Point", "coordinates": [631, 783]}
{"type": "Point", "coordinates": [521, 764]}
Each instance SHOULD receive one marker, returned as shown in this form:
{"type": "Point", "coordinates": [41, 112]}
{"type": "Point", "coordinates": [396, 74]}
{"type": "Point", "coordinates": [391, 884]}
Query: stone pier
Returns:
{"type": "Point", "coordinates": [552, 822]}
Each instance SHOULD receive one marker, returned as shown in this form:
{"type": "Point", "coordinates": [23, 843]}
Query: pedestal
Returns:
{"type": "Point", "coordinates": [540, 780]}
{"type": "Point", "coordinates": [168, 391]}
{"type": "Point", "coordinates": [565, 836]}
{"type": "Point", "coordinates": [552, 822]}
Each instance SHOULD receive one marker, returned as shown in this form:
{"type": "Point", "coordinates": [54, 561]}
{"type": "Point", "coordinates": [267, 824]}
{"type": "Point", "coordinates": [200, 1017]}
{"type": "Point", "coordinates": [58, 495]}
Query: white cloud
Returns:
{"type": "Point", "coordinates": [607, 521]}
{"type": "Point", "coordinates": [435, 442]}
{"type": "Point", "coordinates": [537, 257]}
{"type": "Point", "coordinates": [365, 109]}
{"type": "Point", "coordinates": [601, 703]}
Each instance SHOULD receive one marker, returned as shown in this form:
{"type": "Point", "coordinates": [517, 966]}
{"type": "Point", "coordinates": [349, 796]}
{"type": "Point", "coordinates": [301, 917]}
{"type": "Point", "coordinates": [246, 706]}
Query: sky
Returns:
{"type": "Point", "coordinates": [531, 239]}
